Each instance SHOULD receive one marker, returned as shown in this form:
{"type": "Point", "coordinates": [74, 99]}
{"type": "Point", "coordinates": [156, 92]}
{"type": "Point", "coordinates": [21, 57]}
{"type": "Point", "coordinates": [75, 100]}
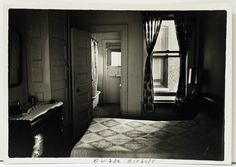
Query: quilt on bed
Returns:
{"type": "Point", "coordinates": [128, 138]}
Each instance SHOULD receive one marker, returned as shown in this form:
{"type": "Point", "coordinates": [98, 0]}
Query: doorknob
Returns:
{"type": "Point", "coordinates": [77, 90]}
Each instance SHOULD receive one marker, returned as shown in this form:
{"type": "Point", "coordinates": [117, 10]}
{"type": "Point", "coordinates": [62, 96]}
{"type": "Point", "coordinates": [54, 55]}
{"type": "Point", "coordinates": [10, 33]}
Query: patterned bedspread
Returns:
{"type": "Point", "coordinates": [128, 138]}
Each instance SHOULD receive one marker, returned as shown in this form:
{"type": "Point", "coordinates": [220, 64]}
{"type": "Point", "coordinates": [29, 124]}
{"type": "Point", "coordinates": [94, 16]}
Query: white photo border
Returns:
{"type": "Point", "coordinates": [119, 5]}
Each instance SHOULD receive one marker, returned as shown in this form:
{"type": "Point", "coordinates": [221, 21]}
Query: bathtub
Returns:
{"type": "Point", "coordinates": [95, 99]}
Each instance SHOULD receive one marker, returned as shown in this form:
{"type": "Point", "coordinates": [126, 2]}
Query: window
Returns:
{"type": "Point", "coordinates": [166, 63]}
{"type": "Point", "coordinates": [115, 58]}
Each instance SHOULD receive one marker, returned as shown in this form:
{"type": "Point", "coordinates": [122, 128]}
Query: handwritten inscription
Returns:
{"type": "Point", "coordinates": [110, 161]}
{"type": "Point", "coordinates": [119, 161]}
{"type": "Point", "coordinates": [141, 161]}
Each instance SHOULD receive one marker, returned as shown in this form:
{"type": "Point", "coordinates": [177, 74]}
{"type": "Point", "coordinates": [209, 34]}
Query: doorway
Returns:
{"type": "Point", "coordinates": [83, 101]}
{"type": "Point", "coordinates": [122, 30]}
{"type": "Point", "coordinates": [112, 71]}
{"type": "Point", "coordinates": [109, 67]}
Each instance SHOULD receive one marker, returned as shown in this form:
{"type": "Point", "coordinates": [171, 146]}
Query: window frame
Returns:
{"type": "Point", "coordinates": [116, 51]}
{"type": "Point", "coordinates": [166, 55]}
{"type": "Point", "coordinates": [110, 48]}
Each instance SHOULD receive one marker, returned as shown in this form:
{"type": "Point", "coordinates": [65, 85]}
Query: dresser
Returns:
{"type": "Point", "coordinates": [38, 132]}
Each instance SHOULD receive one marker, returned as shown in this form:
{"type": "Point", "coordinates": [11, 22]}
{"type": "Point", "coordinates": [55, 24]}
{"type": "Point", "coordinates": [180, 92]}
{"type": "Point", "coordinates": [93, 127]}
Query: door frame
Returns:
{"type": "Point", "coordinates": [123, 29]}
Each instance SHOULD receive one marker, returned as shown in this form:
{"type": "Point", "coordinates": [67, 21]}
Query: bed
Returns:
{"type": "Point", "coordinates": [130, 138]}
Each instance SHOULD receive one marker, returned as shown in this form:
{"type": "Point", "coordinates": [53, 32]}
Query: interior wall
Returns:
{"type": "Point", "coordinates": [20, 92]}
{"type": "Point", "coordinates": [212, 49]}
{"type": "Point", "coordinates": [84, 19]}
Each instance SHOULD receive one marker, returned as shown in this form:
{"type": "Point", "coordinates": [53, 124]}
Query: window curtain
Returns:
{"type": "Point", "coordinates": [184, 33]}
{"type": "Point", "coordinates": [151, 29]}
{"type": "Point", "coordinates": [94, 57]}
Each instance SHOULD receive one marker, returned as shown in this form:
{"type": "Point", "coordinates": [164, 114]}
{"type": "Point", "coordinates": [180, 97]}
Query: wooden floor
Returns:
{"type": "Point", "coordinates": [169, 112]}
{"type": "Point", "coordinates": [163, 112]}
{"type": "Point", "coordinates": [107, 110]}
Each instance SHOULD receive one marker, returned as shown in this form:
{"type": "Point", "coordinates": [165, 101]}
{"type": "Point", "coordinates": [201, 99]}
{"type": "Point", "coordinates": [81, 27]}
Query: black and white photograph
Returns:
{"type": "Point", "coordinates": [137, 84]}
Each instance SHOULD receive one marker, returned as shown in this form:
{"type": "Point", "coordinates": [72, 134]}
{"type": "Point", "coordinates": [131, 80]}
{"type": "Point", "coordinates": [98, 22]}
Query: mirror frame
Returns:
{"type": "Point", "coordinates": [14, 57]}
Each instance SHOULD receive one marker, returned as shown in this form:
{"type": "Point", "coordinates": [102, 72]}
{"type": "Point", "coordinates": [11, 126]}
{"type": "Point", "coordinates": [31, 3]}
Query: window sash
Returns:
{"type": "Point", "coordinates": [165, 55]}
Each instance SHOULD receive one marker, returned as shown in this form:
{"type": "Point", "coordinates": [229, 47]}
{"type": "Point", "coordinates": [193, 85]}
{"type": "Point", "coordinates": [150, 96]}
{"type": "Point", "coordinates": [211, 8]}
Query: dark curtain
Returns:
{"type": "Point", "coordinates": [184, 33]}
{"type": "Point", "coordinates": [152, 26]}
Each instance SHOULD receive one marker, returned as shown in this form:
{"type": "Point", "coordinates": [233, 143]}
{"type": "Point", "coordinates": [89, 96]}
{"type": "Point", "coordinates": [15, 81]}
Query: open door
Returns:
{"type": "Point", "coordinates": [81, 80]}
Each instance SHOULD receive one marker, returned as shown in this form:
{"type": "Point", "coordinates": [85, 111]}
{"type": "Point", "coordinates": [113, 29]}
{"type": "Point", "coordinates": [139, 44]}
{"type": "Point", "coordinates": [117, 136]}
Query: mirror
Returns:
{"type": "Point", "coordinates": [14, 57]}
